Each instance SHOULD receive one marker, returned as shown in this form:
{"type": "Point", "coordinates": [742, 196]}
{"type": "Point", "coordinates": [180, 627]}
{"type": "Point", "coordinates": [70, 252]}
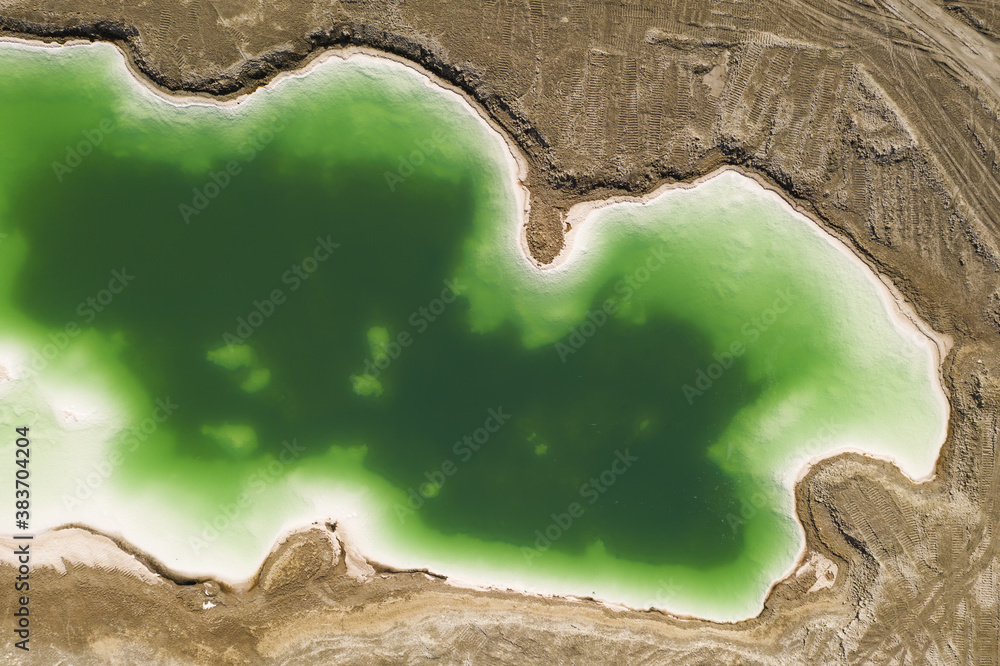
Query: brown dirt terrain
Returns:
{"type": "Point", "coordinates": [878, 117]}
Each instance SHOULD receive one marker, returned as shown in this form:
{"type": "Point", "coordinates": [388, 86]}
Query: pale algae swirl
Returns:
{"type": "Point", "coordinates": [608, 363]}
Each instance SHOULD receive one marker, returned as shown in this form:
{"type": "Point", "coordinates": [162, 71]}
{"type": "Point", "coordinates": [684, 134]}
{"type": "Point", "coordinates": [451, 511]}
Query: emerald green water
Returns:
{"type": "Point", "coordinates": [325, 286]}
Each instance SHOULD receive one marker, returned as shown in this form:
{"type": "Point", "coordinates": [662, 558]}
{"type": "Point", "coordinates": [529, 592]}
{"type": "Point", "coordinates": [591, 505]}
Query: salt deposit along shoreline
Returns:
{"type": "Point", "coordinates": [582, 221]}
{"type": "Point", "coordinates": [583, 231]}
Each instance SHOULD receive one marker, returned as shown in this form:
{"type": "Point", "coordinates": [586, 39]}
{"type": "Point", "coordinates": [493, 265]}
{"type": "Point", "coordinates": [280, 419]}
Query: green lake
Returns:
{"type": "Point", "coordinates": [314, 305]}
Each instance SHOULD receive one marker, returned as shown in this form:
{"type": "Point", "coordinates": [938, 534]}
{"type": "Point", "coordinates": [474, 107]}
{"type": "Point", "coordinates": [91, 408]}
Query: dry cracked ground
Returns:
{"type": "Point", "coordinates": [877, 117]}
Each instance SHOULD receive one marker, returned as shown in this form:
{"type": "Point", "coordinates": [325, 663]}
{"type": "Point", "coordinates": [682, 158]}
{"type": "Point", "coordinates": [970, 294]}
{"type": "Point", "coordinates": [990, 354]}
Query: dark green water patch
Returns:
{"type": "Point", "coordinates": [564, 426]}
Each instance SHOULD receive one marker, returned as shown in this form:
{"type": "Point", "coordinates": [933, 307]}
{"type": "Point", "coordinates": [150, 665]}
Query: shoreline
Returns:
{"type": "Point", "coordinates": [517, 161]}
{"type": "Point", "coordinates": [901, 311]}
{"type": "Point", "coordinates": [583, 213]}
{"type": "Point", "coordinates": [579, 214]}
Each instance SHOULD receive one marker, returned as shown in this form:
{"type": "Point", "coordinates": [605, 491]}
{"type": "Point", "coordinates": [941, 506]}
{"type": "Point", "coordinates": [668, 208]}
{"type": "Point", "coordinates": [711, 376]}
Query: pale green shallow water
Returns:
{"type": "Point", "coordinates": [393, 362]}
